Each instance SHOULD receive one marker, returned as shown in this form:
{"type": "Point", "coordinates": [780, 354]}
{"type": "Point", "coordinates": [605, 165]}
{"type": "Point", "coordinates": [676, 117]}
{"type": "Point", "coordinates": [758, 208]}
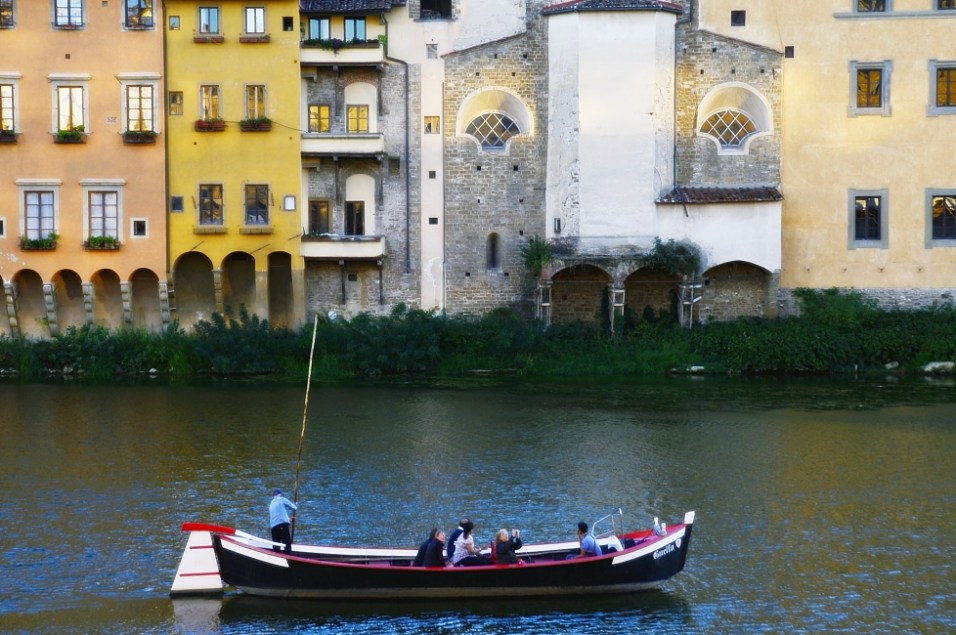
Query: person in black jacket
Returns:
{"type": "Point", "coordinates": [420, 556]}
{"type": "Point", "coordinates": [505, 546]}
{"type": "Point", "coordinates": [434, 554]}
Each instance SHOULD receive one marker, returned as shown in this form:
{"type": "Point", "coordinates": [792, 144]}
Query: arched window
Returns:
{"type": "Point", "coordinates": [492, 130]}
{"type": "Point", "coordinates": [494, 254]}
{"type": "Point", "coordinates": [493, 117]}
{"type": "Point", "coordinates": [733, 115]}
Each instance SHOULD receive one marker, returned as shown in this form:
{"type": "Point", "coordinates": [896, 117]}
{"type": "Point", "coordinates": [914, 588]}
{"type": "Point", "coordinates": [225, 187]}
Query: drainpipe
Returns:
{"type": "Point", "coordinates": [169, 256]}
{"type": "Point", "coordinates": [408, 199]}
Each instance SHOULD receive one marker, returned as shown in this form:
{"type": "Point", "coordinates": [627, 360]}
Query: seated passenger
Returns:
{"type": "Point", "coordinates": [589, 545]}
{"type": "Point", "coordinates": [435, 553]}
{"type": "Point", "coordinates": [505, 547]}
{"type": "Point", "coordinates": [466, 554]}
{"type": "Point", "coordinates": [420, 556]}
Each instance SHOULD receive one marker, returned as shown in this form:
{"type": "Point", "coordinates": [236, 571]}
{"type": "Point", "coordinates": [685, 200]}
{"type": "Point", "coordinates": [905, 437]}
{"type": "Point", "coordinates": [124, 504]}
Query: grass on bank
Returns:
{"type": "Point", "coordinates": [836, 332]}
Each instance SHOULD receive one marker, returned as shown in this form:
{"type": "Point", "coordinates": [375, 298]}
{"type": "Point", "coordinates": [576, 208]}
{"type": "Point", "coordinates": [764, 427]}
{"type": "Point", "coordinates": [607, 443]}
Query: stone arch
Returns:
{"type": "Point", "coordinates": [281, 295]}
{"type": "Point", "coordinates": [505, 106]}
{"type": "Point", "coordinates": [69, 301]}
{"type": "Point", "coordinates": [195, 288]}
{"type": "Point", "coordinates": [145, 307]}
{"type": "Point", "coordinates": [734, 110]}
{"type": "Point", "coordinates": [30, 304]}
{"type": "Point", "coordinates": [239, 283]}
{"type": "Point", "coordinates": [578, 294]}
{"type": "Point", "coordinates": [649, 292]}
{"type": "Point", "coordinates": [6, 328]}
{"type": "Point", "coordinates": [736, 289]}
{"type": "Point", "coordinates": [107, 299]}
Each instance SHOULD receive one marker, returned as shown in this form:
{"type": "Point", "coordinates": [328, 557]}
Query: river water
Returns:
{"type": "Point", "coordinates": [823, 506]}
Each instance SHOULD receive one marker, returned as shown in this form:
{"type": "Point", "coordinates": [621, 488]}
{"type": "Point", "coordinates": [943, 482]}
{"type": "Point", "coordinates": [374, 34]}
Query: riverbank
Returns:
{"type": "Point", "coordinates": [836, 333]}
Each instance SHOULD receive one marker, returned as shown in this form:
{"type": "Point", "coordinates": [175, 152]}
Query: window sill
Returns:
{"type": "Point", "coordinates": [210, 229]}
{"type": "Point", "coordinates": [254, 39]}
{"type": "Point", "coordinates": [209, 39]}
{"type": "Point", "coordinates": [68, 27]}
{"type": "Point", "coordinates": [255, 229]}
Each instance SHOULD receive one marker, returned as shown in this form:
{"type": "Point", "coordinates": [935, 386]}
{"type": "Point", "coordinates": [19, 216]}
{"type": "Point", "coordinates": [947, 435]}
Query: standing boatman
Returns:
{"type": "Point", "coordinates": [279, 510]}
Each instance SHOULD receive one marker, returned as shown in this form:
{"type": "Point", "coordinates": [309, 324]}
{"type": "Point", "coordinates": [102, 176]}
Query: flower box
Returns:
{"type": "Point", "coordinates": [39, 244]}
{"type": "Point", "coordinates": [139, 136]}
{"type": "Point", "coordinates": [210, 125]}
{"type": "Point", "coordinates": [101, 243]}
{"type": "Point", "coordinates": [8, 136]}
{"type": "Point", "coordinates": [255, 125]}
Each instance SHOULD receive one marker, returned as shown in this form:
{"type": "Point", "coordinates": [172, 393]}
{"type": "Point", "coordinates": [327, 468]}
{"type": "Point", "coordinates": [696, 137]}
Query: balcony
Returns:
{"type": "Point", "coordinates": [331, 145]}
{"type": "Point", "coordinates": [340, 53]}
{"type": "Point", "coordinates": [339, 247]}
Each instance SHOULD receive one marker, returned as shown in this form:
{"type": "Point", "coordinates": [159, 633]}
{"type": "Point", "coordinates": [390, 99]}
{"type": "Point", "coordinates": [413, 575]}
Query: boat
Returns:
{"type": "Point", "coordinates": [217, 557]}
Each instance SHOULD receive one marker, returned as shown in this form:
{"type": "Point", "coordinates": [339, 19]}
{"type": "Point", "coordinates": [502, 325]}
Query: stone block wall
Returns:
{"type": "Point", "coordinates": [889, 299]}
{"type": "Point", "coordinates": [736, 290]}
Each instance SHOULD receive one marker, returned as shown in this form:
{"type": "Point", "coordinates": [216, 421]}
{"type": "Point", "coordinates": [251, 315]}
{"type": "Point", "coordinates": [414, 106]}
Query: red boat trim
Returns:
{"type": "Point", "coordinates": [219, 529]}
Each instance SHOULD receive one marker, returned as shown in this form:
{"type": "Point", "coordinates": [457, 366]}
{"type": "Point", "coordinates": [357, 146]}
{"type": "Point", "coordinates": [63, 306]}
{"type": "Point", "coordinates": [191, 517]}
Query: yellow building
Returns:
{"type": "Point", "coordinates": [869, 122]}
{"type": "Point", "coordinates": [234, 159]}
{"type": "Point", "coordinates": [82, 220]}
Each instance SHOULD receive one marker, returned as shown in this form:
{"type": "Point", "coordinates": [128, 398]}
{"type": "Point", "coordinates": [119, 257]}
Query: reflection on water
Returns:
{"type": "Point", "coordinates": [822, 505]}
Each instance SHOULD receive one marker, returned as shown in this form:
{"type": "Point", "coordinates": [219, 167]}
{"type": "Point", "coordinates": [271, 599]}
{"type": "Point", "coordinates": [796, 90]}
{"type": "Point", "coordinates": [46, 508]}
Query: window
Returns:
{"type": "Point", "coordinates": [870, 6]}
{"type": "Point", "coordinates": [139, 108]}
{"type": "Point", "coordinates": [176, 203]}
{"type": "Point", "coordinates": [432, 124]}
{"type": "Point", "coordinates": [176, 102]}
{"type": "Point", "coordinates": [354, 29]}
{"type": "Point", "coordinates": [946, 5]}
{"type": "Point", "coordinates": [319, 118]}
{"type": "Point", "coordinates": [40, 214]}
{"type": "Point", "coordinates": [729, 128]}
{"type": "Point", "coordinates": [868, 227]}
{"type": "Point", "coordinates": [354, 218]}
{"type": "Point", "coordinates": [103, 214]}
{"type": "Point", "coordinates": [257, 205]}
{"type": "Point", "coordinates": [941, 225]}
{"type": "Point", "coordinates": [68, 14]}
{"type": "Point", "coordinates": [435, 9]}
{"type": "Point", "coordinates": [209, 20]}
{"type": "Point", "coordinates": [319, 217]}
{"type": "Point", "coordinates": [210, 204]}
{"type": "Point", "coordinates": [256, 20]}
{"type": "Point", "coordinates": [3, 227]}
{"type": "Point", "coordinates": [7, 20]}
{"type": "Point", "coordinates": [255, 101]}
{"type": "Point", "coordinates": [8, 106]}
{"type": "Point", "coordinates": [209, 102]}
{"type": "Point", "coordinates": [492, 130]}
{"type": "Point", "coordinates": [320, 29]}
{"type": "Point", "coordinates": [943, 87]}
{"type": "Point", "coordinates": [139, 228]}
{"type": "Point", "coordinates": [174, 23]}
{"type": "Point", "coordinates": [738, 18]}
{"type": "Point", "coordinates": [139, 14]}
{"type": "Point", "coordinates": [70, 113]}
{"type": "Point", "coordinates": [870, 83]}
{"type": "Point", "coordinates": [493, 260]}
{"type": "Point", "coordinates": [358, 118]}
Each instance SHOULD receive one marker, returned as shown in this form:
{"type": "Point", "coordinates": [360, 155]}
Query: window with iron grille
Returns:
{"type": "Point", "coordinates": [729, 127]}
{"type": "Point", "coordinates": [492, 130]}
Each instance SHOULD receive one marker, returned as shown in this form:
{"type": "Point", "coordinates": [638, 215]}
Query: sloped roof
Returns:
{"type": "Point", "coordinates": [349, 6]}
{"type": "Point", "coordinates": [698, 195]}
{"type": "Point", "coordinates": [611, 5]}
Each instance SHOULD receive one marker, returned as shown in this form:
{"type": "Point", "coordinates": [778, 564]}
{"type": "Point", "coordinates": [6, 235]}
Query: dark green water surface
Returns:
{"type": "Point", "coordinates": [823, 506]}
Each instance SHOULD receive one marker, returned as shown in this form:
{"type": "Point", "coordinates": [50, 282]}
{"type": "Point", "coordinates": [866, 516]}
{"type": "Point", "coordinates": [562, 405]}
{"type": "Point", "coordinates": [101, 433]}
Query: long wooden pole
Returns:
{"type": "Point", "coordinates": [305, 411]}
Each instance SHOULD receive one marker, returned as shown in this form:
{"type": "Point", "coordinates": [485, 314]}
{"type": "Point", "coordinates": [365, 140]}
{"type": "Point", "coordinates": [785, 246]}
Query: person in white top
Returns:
{"type": "Point", "coordinates": [466, 554]}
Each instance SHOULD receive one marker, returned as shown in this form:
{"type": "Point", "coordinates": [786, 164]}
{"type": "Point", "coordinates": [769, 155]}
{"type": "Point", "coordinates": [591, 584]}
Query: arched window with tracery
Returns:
{"type": "Point", "coordinates": [493, 117]}
{"type": "Point", "coordinates": [732, 115]}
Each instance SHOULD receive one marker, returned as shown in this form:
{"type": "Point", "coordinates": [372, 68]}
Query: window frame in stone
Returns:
{"type": "Point", "coordinates": [211, 210]}
{"type": "Point", "coordinates": [256, 199]}
{"type": "Point", "coordinates": [936, 70]}
{"type": "Point", "coordinates": [868, 227]}
{"type": "Point", "coordinates": [872, 6]}
{"type": "Point", "coordinates": [209, 20]}
{"type": "Point", "coordinates": [254, 16]}
{"type": "Point", "coordinates": [357, 118]}
{"type": "Point", "coordinates": [738, 101]}
{"type": "Point", "coordinates": [69, 14]}
{"type": "Point", "coordinates": [8, 14]}
{"type": "Point", "coordinates": [857, 70]}
{"type": "Point", "coordinates": [321, 122]}
{"type": "Point", "coordinates": [940, 217]}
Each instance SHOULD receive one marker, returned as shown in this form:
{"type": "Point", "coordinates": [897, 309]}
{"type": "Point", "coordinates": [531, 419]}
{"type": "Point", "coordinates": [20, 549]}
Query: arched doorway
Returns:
{"type": "Point", "coordinates": [30, 307]}
{"type": "Point", "coordinates": [579, 294]}
{"type": "Point", "coordinates": [239, 284]}
{"type": "Point", "coordinates": [70, 305]}
{"type": "Point", "coordinates": [195, 289]}
{"type": "Point", "coordinates": [735, 289]}
{"type": "Point", "coordinates": [144, 300]}
{"type": "Point", "coordinates": [281, 296]}
{"type": "Point", "coordinates": [107, 299]}
{"type": "Point", "coordinates": [650, 294]}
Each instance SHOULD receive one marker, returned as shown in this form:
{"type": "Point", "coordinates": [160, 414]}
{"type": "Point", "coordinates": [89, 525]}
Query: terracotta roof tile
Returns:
{"type": "Point", "coordinates": [699, 195]}
{"type": "Point", "coordinates": [612, 5]}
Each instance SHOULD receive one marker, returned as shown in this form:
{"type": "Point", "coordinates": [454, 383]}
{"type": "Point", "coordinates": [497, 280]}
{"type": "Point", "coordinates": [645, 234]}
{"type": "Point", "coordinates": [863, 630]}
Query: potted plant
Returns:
{"type": "Point", "coordinates": [39, 244]}
{"type": "Point", "coordinates": [8, 136]}
{"type": "Point", "coordinates": [214, 124]}
{"type": "Point", "coordinates": [70, 135]}
{"type": "Point", "coordinates": [101, 243]}
{"type": "Point", "coordinates": [255, 124]}
{"type": "Point", "coordinates": [139, 136]}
